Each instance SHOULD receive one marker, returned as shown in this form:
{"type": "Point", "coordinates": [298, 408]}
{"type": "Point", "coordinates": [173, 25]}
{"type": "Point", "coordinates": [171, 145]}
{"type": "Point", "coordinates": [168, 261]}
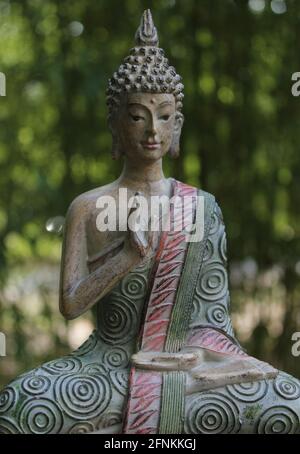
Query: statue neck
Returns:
{"type": "Point", "coordinates": [145, 177]}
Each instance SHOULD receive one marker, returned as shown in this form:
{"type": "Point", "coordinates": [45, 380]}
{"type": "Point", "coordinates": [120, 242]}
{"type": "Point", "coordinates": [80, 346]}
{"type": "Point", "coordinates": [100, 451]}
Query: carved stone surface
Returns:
{"type": "Point", "coordinates": [163, 358]}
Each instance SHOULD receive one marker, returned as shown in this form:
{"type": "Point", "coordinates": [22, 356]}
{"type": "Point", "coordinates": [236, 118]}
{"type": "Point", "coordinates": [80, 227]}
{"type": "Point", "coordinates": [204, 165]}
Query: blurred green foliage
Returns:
{"type": "Point", "coordinates": [240, 141]}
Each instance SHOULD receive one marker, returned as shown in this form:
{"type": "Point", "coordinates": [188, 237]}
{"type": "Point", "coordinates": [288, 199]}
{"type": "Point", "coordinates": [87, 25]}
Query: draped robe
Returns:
{"type": "Point", "coordinates": [176, 299]}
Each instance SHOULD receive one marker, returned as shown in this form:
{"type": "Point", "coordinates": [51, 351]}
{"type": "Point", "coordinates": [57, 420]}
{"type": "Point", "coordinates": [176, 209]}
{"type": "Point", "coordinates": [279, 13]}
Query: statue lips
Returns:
{"type": "Point", "coordinates": [151, 145]}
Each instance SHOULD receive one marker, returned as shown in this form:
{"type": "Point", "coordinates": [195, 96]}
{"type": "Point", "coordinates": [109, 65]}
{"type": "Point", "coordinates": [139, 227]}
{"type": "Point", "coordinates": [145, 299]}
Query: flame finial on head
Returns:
{"type": "Point", "coordinates": [146, 34]}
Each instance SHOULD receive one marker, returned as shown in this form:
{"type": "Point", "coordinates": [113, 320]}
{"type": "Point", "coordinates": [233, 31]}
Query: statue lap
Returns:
{"type": "Point", "coordinates": [264, 407]}
{"type": "Point", "coordinates": [75, 395]}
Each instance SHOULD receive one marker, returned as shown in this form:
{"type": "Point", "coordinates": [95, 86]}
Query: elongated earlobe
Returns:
{"type": "Point", "coordinates": [175, 148]}
{"type": "Point", "coordinates": [175, 145]}
{"type": "Point", "coordinates": [116, 152]}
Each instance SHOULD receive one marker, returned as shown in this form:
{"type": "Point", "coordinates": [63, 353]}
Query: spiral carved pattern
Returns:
{"type": "Point", "coordinates": [109, 418]}
{"type": "Point", "coordinates": [215, 224]}
{"type": "Point", "coordinates": [248, 392]}
{"type": "Point", "coordinates": [278, 420]}
{"type": "Point", "coordinates": [209, 250]}
{"type": "Point", "coordinates": [212, 414]}
{"type": "Point", "coordinates": [63, 366]}
{"type": "Point", "coordinates": [8, 397]}
{"type": "Point", "coordinates": [287, 388]}
{"type": "Point", "coordinates": [118, 321]}
{"type": "Point", "coordinates": [83, 397]}
{"type": "Point", "coordinates": [223, 247]}
{"type": "Point", "coordinates": [35, 384]}
{"type": "Point", "coordinates": [212, 285]}
{"type": "Point", "coordinates": [217, 315]}
{"type": "Point", "coordinates": [116, 358]}
{"type": "Point", "coordinates": [40, 416]}
{"type": "Point", "coordinates": [94, 369]}
{"type": "Point", "coordinates": [82, 428]}
{"type": "Point", "coordinates": [196, 309]}
{"type": "Point", "coordinates": [218, 212]}
{"type": "Point", "coordinates": [8, 427]}
{"type": "Point", "coordinates": [120, 381]}
{"type": "Point", "coordinates": [134, 286]}
{"type": "Point", "coordinates": [88, 346]}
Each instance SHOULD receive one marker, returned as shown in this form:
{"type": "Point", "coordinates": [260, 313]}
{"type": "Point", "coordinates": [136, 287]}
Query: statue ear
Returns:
{"type": "Point", "coordinates": [175, 145]}
{"type": "Point", "coordinates": [116, 152]}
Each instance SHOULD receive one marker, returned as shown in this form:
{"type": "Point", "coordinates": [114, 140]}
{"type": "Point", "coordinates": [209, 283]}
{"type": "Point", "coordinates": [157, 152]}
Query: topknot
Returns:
{"type": "Point", "coordinates": [146, 69]}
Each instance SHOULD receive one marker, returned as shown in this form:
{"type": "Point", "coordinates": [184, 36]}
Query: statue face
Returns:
{"type": "Point", "coordinates": [145, 125]}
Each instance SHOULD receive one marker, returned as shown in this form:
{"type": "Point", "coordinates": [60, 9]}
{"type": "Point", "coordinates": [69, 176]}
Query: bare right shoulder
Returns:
{"type": "Point", "coordinates": [84, 204]}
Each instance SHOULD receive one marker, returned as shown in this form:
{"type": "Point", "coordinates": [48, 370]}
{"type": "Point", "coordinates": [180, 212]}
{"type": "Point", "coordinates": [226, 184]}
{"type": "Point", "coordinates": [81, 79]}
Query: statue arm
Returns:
{"type": "Point", "coordinates": [79, 289]}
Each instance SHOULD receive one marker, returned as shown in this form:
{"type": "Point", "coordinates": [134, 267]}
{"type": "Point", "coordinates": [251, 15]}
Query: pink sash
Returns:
{"type": "Point", "coordinates": [145, 387]}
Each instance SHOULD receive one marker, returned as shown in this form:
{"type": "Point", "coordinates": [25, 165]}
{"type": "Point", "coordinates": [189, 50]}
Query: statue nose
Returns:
{"type": "Point", "coordinates": [152, 128]}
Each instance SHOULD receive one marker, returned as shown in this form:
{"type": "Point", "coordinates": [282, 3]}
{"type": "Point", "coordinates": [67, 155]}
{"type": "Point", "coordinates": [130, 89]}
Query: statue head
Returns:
{"type": "Point", "coordinates": [144, 99]}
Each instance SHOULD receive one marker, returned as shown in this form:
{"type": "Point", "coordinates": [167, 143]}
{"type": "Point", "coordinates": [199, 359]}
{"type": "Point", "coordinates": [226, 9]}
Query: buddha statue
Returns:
{"type": "Point", "coordinates": [163, 358]}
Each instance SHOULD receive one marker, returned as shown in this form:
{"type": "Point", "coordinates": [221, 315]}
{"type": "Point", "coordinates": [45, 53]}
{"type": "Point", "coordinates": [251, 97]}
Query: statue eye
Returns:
{"type": "Point", "coordinates": [136, 117]}
{"type": "Point", "coordinates": [165, 117]}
